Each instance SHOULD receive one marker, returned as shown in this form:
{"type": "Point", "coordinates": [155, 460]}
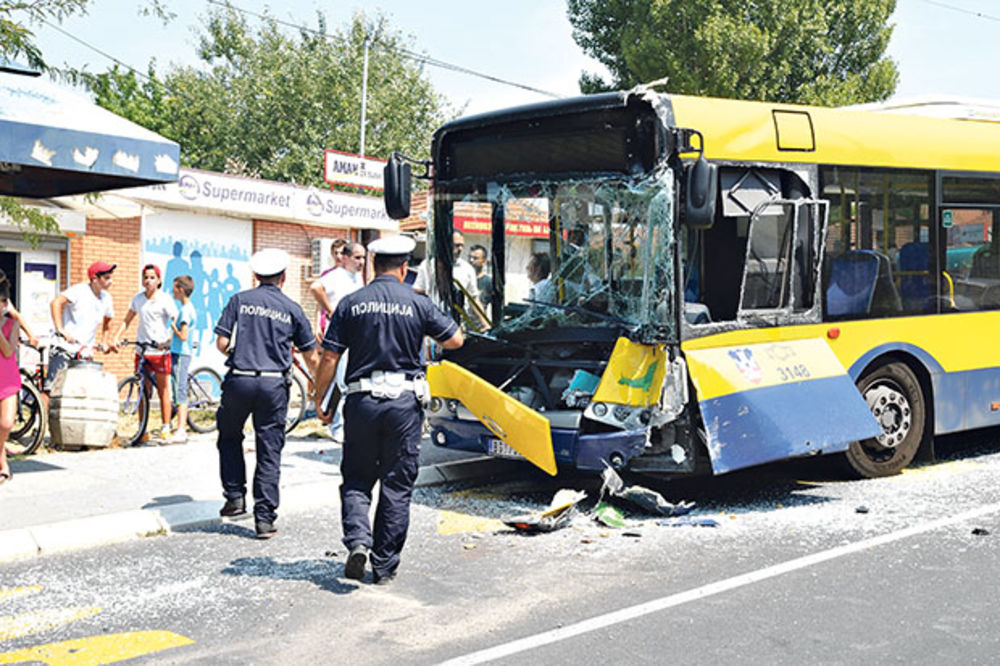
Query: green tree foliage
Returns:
{"type": "Point", "coordinates": [16, 17]}
{"type": "Point", "coordinates": [826, 52]}
{"type": "Point", "coordinates": [267, 102]}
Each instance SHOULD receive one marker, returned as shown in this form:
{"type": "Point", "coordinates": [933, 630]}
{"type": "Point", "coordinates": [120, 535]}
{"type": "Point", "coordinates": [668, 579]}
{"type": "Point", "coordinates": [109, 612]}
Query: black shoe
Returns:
{"type": "Point", "coordinates": [385, 580]}
{"type": "Point", "coordinates": [265, 530]}
{"type": "Point", "coordinates": [356, 561]}
{"type": "Point", "coordinates": [233, 507]}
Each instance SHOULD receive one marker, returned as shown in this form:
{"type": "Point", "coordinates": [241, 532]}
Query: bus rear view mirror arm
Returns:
{"type": "Point", "coordinates": [397, 179]}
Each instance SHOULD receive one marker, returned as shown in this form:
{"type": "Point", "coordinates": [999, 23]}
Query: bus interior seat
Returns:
{"type": "Point", "coordinates": [697, 313]}
{"type": "Point", "coordinates": [914, 281]}
{"type": "Point", "coordinates": [861, 283]}
{"type": "Point", "coordinates": [984, 264]}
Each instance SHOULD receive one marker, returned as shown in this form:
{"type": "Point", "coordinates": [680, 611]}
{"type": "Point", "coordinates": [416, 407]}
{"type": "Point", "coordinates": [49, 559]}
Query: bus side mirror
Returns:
{"type": "Point", "coordinates": [701, 193]}
{"type": "Point", "coordinates": [396, 180]}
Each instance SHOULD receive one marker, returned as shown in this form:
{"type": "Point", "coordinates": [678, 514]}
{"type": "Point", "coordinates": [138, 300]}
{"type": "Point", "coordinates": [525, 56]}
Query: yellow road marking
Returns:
{"type": "Point", "coordinates": [94, 650]}
{"type": "Point", "coordinates": [17, 592]}
{"type": "Point", "coordinates": [25, 624]}
{"type": "Point", "coordinates": [943, 469]}
{"type": "Point", "coordinates": [452, 522]}
{"type": "Point", "coordinates": [939, 469]}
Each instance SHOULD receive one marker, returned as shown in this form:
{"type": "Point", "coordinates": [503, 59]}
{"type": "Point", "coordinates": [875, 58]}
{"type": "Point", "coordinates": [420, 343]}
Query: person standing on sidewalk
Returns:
{"type": "Point", "coordinates": [10, 376]}
{"type": "Point", "coordinates": [323, 312]}
{"type": "Point", "coordinates": [155, 311]}
{"type": "Point", "coordinates": [256, 332]}
{"type": "Point", "coordinates": [383, 326]}
{"type": "Point", "coordinates": [181, 352]}
{"type": "Point", "coordinates": [328, 291]}
{"type": "Point", "coordinates": [78, 314]}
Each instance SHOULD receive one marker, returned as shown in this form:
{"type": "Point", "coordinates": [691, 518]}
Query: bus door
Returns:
{"type": "Point", "coordinates": [769, 401]}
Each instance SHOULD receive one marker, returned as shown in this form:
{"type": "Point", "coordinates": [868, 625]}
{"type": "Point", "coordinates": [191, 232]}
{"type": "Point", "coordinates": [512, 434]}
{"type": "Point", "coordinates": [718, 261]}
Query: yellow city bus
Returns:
{"type": "Point", "coordinates": [689, 285]}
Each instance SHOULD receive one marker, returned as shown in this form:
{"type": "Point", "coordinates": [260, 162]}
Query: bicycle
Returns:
{"type": "Point", "coordinates": [133, 398]}
{"type": "Point", "coordinates": [204, 395]}
{"type": "Point", "coordinates": [298, 396]}
{"type": "Point", "coordinates": [32, 419]}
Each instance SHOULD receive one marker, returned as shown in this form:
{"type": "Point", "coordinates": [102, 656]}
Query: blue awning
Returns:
{"type": "Point", "coordinates": [55, 142]}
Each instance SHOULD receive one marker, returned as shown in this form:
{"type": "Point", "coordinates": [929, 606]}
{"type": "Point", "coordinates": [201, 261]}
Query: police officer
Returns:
{"type": "Point", "coordinates": [256, 332]}
{"type": "Point", "coordinates": [383, 325]}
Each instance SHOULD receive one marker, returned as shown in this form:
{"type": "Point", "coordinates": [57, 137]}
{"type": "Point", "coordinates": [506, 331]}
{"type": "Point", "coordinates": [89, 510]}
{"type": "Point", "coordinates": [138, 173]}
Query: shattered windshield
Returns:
{"type": "Point", "coordinates": [552, 254]}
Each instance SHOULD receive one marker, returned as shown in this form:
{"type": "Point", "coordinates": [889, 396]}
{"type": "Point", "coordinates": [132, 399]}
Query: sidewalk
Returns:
{"type": "Point", "coordinates": [69, 500]}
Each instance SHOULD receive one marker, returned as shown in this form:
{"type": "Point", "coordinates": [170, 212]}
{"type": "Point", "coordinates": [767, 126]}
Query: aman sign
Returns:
{"type": "Point", "coordinates": [352, 170]}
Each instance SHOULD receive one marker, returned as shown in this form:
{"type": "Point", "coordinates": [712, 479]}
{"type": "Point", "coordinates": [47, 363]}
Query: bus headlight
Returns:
{"type": "Point", "coordinates": [600, 409]}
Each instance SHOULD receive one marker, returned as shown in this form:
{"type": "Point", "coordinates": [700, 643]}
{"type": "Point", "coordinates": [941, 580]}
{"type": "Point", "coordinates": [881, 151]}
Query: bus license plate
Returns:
{"type": "Point", "coordinates": [501, 449]}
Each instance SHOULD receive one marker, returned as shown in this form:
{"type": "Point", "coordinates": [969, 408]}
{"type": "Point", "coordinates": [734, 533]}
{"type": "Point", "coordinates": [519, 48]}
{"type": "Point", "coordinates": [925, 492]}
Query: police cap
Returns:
{"type": "Point", "coordinates": [392, 245]}
{"type": "Point", "coordinates": [269, 261]}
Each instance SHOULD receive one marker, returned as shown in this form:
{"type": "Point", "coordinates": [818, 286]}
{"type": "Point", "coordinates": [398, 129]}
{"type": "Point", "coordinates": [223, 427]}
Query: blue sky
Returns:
{"type": "Point", "coordinates": [942, 48]}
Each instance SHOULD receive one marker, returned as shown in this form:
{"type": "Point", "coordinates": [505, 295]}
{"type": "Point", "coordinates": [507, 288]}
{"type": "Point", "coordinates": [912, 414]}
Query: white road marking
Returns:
{"type": "Point", "coordinates": [718, 587]}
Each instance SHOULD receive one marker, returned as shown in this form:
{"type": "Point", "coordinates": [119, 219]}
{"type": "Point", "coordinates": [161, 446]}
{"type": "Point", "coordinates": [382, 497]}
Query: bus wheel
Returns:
{"type": "Point", "coordinates": [894, 395]}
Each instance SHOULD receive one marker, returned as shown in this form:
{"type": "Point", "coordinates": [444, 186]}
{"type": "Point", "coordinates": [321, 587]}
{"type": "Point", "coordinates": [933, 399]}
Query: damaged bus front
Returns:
{"type": "Point", "coordinates": [574, 357]}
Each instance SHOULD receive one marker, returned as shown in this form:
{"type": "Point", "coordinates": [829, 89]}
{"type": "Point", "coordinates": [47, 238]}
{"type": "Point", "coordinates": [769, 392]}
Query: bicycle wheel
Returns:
{"type": "Point", "coordinates": [133, 411]}
{"type": "Point", "coordinates": [32, 421]}
{"type": "Point", "coordinates": [296, 403]}
{"type": "Point", "coordinates": [204, 397]}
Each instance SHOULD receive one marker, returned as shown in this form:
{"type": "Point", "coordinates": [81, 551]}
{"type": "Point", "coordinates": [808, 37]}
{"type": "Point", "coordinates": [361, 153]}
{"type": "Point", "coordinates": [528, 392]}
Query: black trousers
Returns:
{"type": "Point", "coordinates": [266, 398]}
{"type": "Point", "coordinates": [381, 443]}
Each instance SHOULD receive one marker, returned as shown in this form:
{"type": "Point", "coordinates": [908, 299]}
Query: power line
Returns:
{"type": "Point", "coordinates": [963, 10]}
{"type": "Point", "coordinates": [99, 51]}
{"type": "Point", "coordinates": [434, 62]}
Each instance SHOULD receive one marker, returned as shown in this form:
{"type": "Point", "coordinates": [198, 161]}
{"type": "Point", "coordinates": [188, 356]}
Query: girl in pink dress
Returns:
{"type": "Point", "coordinates": [10, 377]}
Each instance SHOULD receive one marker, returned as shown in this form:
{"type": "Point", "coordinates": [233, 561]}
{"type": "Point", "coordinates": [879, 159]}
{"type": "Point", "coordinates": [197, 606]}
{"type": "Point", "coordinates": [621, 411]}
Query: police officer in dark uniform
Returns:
{"type": "Point", "coordinates": [256, 332]}
{"type": "Point", "coordinates": [383, 325]}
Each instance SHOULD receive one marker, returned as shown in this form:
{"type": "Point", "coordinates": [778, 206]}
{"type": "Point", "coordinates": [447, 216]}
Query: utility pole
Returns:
{"type": "Point", "coordinates": [364, 92]}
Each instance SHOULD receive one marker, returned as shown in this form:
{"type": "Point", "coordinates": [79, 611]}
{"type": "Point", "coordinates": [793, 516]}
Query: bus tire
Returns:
{"type": "Point", "coordinates": [896, 399]}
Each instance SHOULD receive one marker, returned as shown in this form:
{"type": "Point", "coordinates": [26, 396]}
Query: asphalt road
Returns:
{"type": "Point", "coordinates": [793, 573]}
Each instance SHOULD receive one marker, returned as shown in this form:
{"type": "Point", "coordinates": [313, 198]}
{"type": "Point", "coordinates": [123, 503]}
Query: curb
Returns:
{"type": "Point", "coordinates": [79, 533]}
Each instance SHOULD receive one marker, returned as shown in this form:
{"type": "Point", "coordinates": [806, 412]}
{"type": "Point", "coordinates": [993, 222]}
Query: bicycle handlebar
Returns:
{"type": "Point", "coordinates": [143, 346]}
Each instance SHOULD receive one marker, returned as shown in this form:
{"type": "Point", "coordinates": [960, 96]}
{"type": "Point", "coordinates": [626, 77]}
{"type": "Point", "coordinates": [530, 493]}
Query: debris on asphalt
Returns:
{"type": "Point", "coordinates": [640, 496]}
{"type": "Point", "coordinates": [558, 515]}
{"type": "Point", "coordinates": [634, 535]}
{"type": "Point", "coordinates": [688, 522]}
{"type": "Point", "coordinates": [609, 515]}
{"type": "Point", "coordinates": [980, 531]}
{"type": "Point", "coordinates": [861, 509]}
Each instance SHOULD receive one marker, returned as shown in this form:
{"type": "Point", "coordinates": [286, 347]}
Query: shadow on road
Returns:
{"type": "Point", "coordinates": [324, 574]}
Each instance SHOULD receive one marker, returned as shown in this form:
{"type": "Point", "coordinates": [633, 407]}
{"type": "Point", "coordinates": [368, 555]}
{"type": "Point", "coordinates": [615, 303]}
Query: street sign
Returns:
{"type": "Point", "coordinates": [352, 170]}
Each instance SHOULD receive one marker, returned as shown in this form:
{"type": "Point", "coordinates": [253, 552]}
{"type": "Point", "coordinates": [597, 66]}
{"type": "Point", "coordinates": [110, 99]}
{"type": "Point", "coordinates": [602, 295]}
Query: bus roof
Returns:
{"type": "Point", "coordinates": [772, 132]}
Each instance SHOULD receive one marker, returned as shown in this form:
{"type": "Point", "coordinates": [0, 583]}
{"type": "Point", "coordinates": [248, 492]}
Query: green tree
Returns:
{"type": "Point", "coordinates": [267, 102]}
{"type": "Point", "coordinates": [16, 17]}
{"type": "Point", "coordinates": [826, 52]}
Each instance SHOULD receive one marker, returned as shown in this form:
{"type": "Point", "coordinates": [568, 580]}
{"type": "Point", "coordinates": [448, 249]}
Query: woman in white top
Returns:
{"type": "Point", "coordinates": [156, 309]}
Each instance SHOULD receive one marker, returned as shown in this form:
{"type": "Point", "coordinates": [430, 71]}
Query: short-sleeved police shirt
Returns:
{"type": "Point", "coordinates": [264, 321]}
{"type": "Point", "coordinates": [384, 325]}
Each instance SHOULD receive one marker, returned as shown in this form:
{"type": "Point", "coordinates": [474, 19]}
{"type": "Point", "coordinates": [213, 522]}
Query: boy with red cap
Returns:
{"type": "Point", "coordinates": [77, 314]}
